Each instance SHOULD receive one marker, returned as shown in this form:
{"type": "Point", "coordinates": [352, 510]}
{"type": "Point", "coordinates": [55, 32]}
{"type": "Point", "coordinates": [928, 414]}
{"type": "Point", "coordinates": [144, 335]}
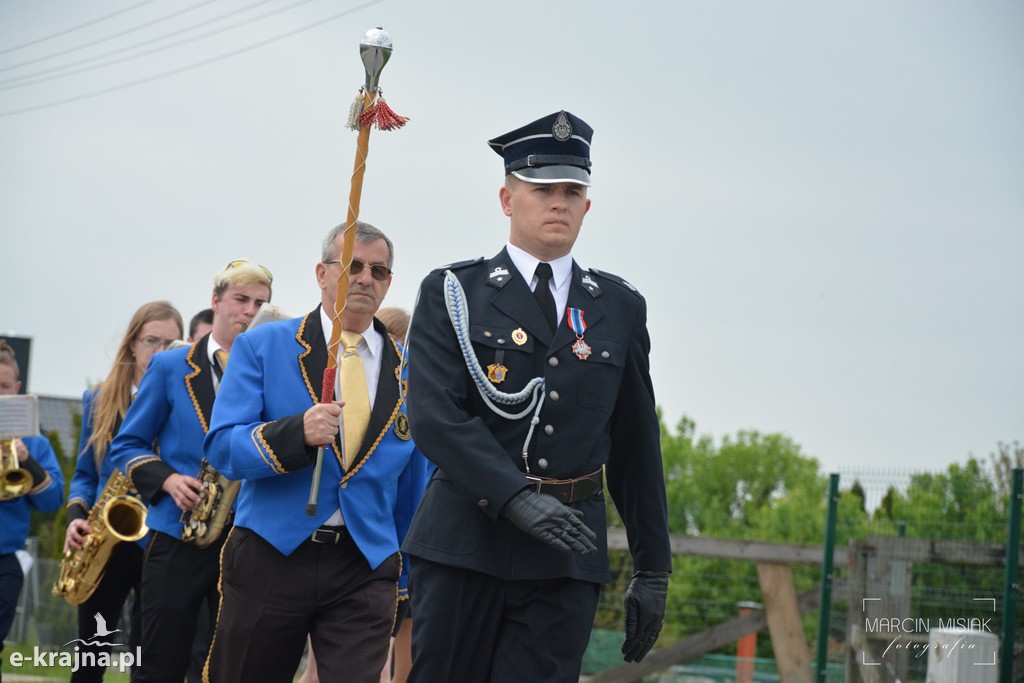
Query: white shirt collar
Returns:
{"type": "Point", "coordinates": [526, 264]}
{"type": "Point", "coordinates": [372, 340]}
{"type": "Point", "coordinates": [211, 347]}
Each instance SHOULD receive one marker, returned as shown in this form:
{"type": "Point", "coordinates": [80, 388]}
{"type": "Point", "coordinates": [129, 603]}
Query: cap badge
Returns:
{"type": "Point", "coordinates": [562, 130]}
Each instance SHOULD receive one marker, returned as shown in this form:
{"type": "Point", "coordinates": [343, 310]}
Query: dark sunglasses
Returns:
{"type": "Point", "coordinates": [377, 271]}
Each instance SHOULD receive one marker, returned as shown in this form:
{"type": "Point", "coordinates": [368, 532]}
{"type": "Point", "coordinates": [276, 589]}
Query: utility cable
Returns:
{"type": "Point", "coordinates": [109, 37]}
{"type": "Point", "coordinates": [21, 81]}
{"type": "Point", "coordinates": [189, 67]}
{"type": "Point", "coordinates": [66, 31]}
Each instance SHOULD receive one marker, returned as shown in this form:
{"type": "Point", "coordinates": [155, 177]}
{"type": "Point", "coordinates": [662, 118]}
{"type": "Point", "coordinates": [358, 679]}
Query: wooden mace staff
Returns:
{"type": "Point", "coordinates": [368, 110]}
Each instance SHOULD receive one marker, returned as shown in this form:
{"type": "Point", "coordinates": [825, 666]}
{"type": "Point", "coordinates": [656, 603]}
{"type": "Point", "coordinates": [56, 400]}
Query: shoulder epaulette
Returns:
{"type": "Point", "coordinates": [616, 279]}
{"type": "Point", "coordinates": [457, 265]}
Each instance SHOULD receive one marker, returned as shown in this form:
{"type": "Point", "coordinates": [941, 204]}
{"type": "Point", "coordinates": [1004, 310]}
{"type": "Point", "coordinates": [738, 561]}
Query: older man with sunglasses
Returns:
{"type": "Point", "coordinates": [335, 574]}
{"type": "Point", "coordinates": [160, 447]}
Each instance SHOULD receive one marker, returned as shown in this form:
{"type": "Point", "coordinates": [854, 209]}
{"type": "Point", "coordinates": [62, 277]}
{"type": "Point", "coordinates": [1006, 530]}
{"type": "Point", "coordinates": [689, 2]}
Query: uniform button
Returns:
{"type": "Point", "coordinates": [549, 430]}
{"type": "Point", "coordinates": [487, 334]}
{"type": "Point", "coordinates": [553, 362]}
{"type": "Point", "coordinates": [483, 502]}
{"type": "Point", "coordinates": [344, 485]}
{"type": "Point", "coordinates": [501, 341]}
{"type": "Point", "coordinates": [605, 354]}
{"type": "Point", "coordinates": [553, 395]}
{"type": "Point", "coordinates": [543, 463]}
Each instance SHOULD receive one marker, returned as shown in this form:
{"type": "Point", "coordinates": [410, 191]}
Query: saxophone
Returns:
{"type": "Point", "coordinates": [15, 480]}
{"type": "Point", "coordinates": [204, 524]}
{"type": "Point", "coordinates": [118, 515]}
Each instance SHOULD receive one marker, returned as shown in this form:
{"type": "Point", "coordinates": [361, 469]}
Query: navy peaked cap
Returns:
{"type": "Point", "coordinates": [553, 149]}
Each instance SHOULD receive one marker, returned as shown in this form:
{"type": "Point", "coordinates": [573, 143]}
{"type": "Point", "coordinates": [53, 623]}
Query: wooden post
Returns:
{"type": "Point", "coordinates": [792, 656]}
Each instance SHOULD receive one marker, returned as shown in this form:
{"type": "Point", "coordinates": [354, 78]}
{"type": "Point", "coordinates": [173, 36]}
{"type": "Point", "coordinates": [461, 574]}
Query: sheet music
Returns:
{"type": "Point", "coordinates": [19, 416]}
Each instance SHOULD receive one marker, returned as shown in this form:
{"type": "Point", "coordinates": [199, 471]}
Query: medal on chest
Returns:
{"type": "Point", "coordinates": [580, 348]}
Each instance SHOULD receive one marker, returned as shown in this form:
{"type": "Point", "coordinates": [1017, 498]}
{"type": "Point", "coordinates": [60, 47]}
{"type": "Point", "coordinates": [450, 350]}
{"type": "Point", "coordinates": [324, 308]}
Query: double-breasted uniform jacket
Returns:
{"type": "Point", "coordinates": [46, 494]}
{"type": "Point", "coordinates": [598, 412]}
{"type": "Point", "coordinates": [171, 410]}
{"type": "Point", "coordinates": [257, 436]}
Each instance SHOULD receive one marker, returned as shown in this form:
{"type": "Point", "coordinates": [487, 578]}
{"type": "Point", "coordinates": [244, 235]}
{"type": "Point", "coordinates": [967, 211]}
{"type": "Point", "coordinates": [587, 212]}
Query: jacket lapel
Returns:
{"type": "Point", "coordinates": [312, 360]}
{"type": "Point", "coordinates": [514, 298]}
{"type": "Point", "coordinates": [587, 300]}
{"type": "Point", "coordinates": [387, 400]}
{"type": "Point", "coordinates": [199, 382]}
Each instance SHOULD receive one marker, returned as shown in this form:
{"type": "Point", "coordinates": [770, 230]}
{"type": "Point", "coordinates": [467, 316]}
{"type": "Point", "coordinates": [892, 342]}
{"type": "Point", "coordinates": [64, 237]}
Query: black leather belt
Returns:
{"type": "Point", "coordinates": [568, 490]}
{"type": "Point", "coordinates": [329, 535]}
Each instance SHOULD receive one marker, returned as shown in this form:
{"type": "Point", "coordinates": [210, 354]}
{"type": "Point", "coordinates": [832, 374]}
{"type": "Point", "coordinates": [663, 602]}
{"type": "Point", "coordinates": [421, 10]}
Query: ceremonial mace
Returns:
{"type": "Point", "coordinates": [369, 109]}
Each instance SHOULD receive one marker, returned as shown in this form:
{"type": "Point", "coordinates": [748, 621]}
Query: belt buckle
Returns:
{"type": "Point", "coordinates": [325, 536]}
{"type": "Point", "coordinates": [535, 483]}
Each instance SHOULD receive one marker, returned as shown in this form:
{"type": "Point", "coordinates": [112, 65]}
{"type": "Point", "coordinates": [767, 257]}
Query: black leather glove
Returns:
{"type": "Point", "coordinates": [544, 518]}
{"type": "Point", "coordinates": [645, 612]}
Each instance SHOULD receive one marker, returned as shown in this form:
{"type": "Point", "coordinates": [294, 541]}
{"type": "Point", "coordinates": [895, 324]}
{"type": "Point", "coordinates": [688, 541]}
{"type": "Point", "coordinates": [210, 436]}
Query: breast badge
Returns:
{"type": "Point", "coordinates": [578, 326]}
{"type": "Point", "coordinates": [496, 373]}
{"type": "Point", "coordinates": [402, 430]}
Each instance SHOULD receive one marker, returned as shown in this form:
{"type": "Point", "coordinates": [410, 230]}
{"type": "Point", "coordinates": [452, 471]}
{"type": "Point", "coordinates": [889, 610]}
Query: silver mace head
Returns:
{"type": "Point", "coordinates": [374, 50]}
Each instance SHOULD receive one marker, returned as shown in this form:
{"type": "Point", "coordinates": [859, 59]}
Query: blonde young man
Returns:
{"type": "Point", "coordinates": [160, 448]}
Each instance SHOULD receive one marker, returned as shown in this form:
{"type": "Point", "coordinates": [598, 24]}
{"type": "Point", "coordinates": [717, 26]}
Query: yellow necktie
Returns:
{"type": "Point", "coordinates": [222, 358]}
{"type": "Point", "coordinates": [356, 412]}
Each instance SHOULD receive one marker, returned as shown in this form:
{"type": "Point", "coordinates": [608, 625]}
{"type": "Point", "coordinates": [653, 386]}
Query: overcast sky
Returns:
{"type": "Point", "coordinates": [823, 203]}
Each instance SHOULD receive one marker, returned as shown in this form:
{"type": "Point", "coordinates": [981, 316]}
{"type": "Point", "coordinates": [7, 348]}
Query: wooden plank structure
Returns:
{"type": "Point", "coordinates": [874, 561]}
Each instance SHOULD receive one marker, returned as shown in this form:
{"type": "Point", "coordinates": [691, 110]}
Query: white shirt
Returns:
{"type": "Point", "coordinates": [561, 271]}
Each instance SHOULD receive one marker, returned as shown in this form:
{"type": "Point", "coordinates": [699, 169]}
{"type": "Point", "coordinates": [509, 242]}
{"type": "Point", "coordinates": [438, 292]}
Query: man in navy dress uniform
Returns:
{"type": "Point", "coordinates": [530, 387]}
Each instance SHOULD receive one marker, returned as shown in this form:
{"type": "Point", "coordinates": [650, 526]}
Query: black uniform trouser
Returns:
{"type": "Point", "coordinates": [11, 578]}
{"type": "Point", "coordinates": [271, 601]}
{"type": "Point", "coordinates": [475, 628]}
{"type": "Point", "coordinates": [123, 575]}
{"type": "Point", "coordinates": [176, 578]}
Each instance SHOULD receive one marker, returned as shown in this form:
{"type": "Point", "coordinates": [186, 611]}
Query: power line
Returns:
{"type": "Point", "coordinates": [117, 34]}
{"type": "Point", "coordinates": [21, 81]}
{"type": "Point", "coordinates": [122, 86]}
{"type": "Point", "coordinates": [75, 28]}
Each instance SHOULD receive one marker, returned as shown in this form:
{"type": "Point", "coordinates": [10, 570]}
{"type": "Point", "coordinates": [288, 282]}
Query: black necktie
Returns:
{"type": "Point", "coordinates": [543, 294]}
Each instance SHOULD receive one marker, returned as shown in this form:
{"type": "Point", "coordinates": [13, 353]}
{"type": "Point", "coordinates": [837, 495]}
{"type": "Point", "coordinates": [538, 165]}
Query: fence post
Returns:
{"type": "Point", "coordinates": [1010, 587]}
{"type": "Point", "coordinates": [825, 610]}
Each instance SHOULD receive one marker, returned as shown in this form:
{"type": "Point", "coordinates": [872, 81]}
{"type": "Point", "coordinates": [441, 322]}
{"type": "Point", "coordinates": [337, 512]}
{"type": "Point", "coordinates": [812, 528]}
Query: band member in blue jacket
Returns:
{"type": "Point", "coordinates": [335, 574]}
{"type": "Point", "coordinates": [529, 387]}
{"type": "Point", "coordinates": [152, 328]}
{"type": "Point", "coordinates": [45, 493]}
{"type": "Point", "coordinates": [160, 448]}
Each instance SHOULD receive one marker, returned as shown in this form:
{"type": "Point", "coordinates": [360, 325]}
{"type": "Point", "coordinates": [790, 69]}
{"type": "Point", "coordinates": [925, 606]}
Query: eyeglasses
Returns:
{"type": "Point", "coordinates": [377, 271]}
{"type": "Point", "coordinates": [238, 263]}
{"type": "Point", "coordinates": [155, 342]}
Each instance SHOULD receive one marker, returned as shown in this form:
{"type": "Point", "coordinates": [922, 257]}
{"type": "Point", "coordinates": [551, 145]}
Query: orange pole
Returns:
{"type": "Point", "coordinates": [746, 647]}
